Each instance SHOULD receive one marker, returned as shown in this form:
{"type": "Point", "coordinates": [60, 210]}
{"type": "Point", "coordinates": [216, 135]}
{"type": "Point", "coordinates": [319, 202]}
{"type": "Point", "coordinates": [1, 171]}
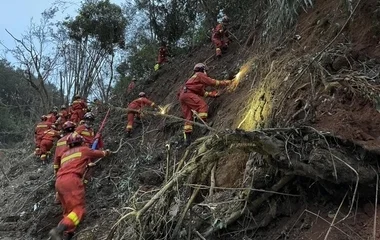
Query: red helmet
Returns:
{"type": "Point", "coordinates": [200, 67]}
{"type": "Point", "coordinates": [142, 94]}
{"type": "Point", "coordinates": [74, 138]}
{"type": "Point", "coordinates": [68, 126]}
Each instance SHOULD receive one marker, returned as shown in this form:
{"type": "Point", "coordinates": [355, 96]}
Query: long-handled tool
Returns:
{"type": "Point", "coordinates": [98, 134]}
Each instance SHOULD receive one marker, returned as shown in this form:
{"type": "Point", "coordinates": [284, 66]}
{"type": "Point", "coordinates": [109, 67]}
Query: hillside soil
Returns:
{"type": "Point", "coordinates": [311, 172]}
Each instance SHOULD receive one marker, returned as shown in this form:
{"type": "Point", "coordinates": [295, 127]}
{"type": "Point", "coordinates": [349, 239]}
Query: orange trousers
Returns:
{"type": "Point", "coordinates": [131, 119]}
{"type": "Point", "coordinates": [220, 43]}
{"type": "Point", "coordinates": [71, 194]}
{"type": "Point", "coordinates": [45, 147]}
{"type": "Point", "coordinates": [191, 101]}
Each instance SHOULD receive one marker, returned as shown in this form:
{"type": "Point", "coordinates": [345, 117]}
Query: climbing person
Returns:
{"type": "Point", "coordinates": [61, 146]}
{"type": "Point", "coordinates": [69, 185]}
{"type": "Point", "coordinates": [41, 127]}
{"type": "Point", "coordinates": [47, 142]}
{"type": "Point", "coordinates": [162, 55]}
{"type": "Point", "coordinates": [131, 85]}
{"type": "Point", "coordinates": [86, 130]}
{"type": "Point", "coordinates": [52, 116]}
{"type": "Point", "coordinates": [134, 110]}
{"type": "Point", "coordinates": [191, 97]}
{"type": "Point", "coordinates": [67, 128]}
{"type": "Point", "coordinates": [63, 116]}
{"type": "Point", "coordinates": [78, 109]}
{"type": "Point", "coordinates": [220, 37]}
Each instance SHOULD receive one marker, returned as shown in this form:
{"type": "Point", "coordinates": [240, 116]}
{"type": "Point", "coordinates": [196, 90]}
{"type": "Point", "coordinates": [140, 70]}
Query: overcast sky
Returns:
{"type": "Point", "coordinates": [15, 15]}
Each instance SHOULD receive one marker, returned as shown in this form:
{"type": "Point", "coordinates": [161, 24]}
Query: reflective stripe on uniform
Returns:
{"type": "Point", "coordinates": [70, 157]}
{"type": "Point", "coordinates": [188, 127]}
{"type": "Point", "coordinates": [61, 143]}
{"type": "Point", "coordinates": [42, 126]}
{"type": "Point", "coordinates": [74, 218]}
{"type": "Point", "coordinates": [129, 126]}
{"type": "Point", "coordinates": [202, 115]}
{"type": "Point", "coordinates": [86, 133]}
{"type": "Point", "coordinates": [55, 166]}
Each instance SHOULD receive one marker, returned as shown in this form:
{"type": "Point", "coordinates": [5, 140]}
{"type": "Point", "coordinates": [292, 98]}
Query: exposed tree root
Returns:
{"type": "Point", "coordinates": [285, 154]}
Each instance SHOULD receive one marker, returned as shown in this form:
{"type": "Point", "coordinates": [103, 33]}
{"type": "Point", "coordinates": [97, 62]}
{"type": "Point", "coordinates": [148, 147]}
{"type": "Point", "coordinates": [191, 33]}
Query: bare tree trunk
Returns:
{"type": "Point", "coordinates": [107, 96]}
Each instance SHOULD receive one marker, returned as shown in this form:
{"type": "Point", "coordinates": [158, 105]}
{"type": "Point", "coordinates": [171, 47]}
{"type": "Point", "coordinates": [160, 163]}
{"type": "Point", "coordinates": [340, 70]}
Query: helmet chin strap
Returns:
{"type": "Point", "coordinates": [88, 124]}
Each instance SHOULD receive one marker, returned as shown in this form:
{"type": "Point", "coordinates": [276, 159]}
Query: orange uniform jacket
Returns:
{"type": "Point", "coordinates": [162, 53]}
{"type": "Point", "coordinates": [78, 110]}
{"type": "Point", "coordinates": [139, 103]}
{"type": "Point", "coordinates": [51, 118]}
{"type": "Point", "coordinates": [79, 104]}
{"type": "Point", "coordinates": [59, 150]}
{"type": "Point", "coordinates": [88, 134]}
{"type": "Point", "coordinates": [131, 86]}
{"type": "Point", "coordinates": [75, 160]}
{"type": "Point", "coordinates": [50, 135]}
{"type": "Point", "coordinates": [198, 82]}
{"type": "Point", "coordinates": [64, 115]}
{"type": "Point", "coordinates": [42, 127]}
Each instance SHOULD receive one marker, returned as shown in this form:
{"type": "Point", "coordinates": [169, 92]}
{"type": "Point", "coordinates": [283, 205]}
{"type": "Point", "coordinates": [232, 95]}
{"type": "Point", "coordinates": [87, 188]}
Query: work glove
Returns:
{"type": "Point", "coordinates": [225, 82]}
{"type": "Point", "coordinates": [91, 164]}
{"type": "Point", "coordinates": [213, 94]}
{"type": "Point", "coordinates": [108, 152]}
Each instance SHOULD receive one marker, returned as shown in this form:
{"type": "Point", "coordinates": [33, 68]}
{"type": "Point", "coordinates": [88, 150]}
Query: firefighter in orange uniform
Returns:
{"type": "Point", "coordinates": [131, 85]}
{"type": "Point", "coordinates": [69, 185]}
{"type": "Point", "coordinates": [68, 128]}
{"type": "Point", "coordinates": [220, 36]}
{"type": "Point", "coordinates": [47, 141]}
{"type": "Point", "coordinates": [87, 132]}
{"type": "Point", "coordinates": [78, 108]}
{"type": "Point", "coordinates": [63, 116]}
{"type": "Point", "coordinates": [52, 116]}
{"type": "Point", "coordinates": [41, 127]}
{"type": "Point", "coordinates": [136, 106]}
{"type": "Point", "coordinates": [191, 96]}
{"type": "Point", "coordinates": [162, 55]}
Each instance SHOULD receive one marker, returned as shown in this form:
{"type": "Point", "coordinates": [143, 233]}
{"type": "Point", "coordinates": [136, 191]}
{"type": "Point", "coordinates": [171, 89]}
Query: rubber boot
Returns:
{"type": "Point", "coordinates": [187, 139]}
{"type": "Point", "coordinates": [218, 53]}
{"type": "Point", "coordinates": [57, 232]}
{"type": "Point", "coordinates": [37, 152]}
{"type": "Point", "coordinates": [128, 133]}
{"type": "Point", "coordinates": [68, 236]}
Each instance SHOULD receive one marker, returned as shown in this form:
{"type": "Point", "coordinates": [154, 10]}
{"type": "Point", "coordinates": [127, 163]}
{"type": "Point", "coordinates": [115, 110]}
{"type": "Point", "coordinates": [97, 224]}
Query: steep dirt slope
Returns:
{"type": "Point", "coordinates": [295, 82]}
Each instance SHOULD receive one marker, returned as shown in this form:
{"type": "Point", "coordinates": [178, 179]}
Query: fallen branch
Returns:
{"type": "Point", "coordinates": [164, 116]}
